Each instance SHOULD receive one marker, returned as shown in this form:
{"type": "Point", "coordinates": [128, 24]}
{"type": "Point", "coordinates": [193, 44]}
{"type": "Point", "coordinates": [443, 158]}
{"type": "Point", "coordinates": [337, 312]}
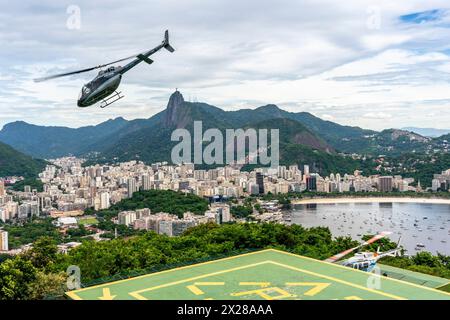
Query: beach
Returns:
{"type": "Point", "coordinates": [371, 200]}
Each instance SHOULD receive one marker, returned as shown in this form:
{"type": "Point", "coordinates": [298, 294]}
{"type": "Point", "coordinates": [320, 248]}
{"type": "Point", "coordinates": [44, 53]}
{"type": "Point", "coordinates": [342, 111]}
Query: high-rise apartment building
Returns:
{"type": "Point", "coordinates": [385, 184]}
{"type": "Point", "coordinates": [260, 182]}
{"type": "Point", "coordinates": [311, 183]}
{"type": "Point", "coordinates": [4, 240]}
{"type": "Point", "coordinates": [306, 170]}
{"type": "Point", "coordinates": [104, 200]}
{"type": "Point", "coordinates": [2, 188]}
{"type": "Point", "coordinates": [132, 187]}
{"type": "Point", "coordinates": [146, 182]}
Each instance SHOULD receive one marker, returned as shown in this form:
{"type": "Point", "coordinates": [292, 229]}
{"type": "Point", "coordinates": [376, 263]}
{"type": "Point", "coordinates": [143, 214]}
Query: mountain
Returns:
{"type": "Point", "coordinates": [342, 138]}
{"type": "Point", "coordinates": [442, 143]}
{"type": "Point", "coordinates": [428, 132]}
{"type": "Point", "coordinates": [149, 139]}
{"type": "Point", "coordinates": [50, 142]}
{"type": "Point", "coordinates": [15, 163]}
{"type": "Point", "coordinates": [299, 145]}
{"type": "Point", "coordinates": [152, 143]}
{"type": "Point", "coordinates": [179, 113]}
{"type": "Point", "coordinates": [445, 138]}
{"type": "Point", "coordinates": [293, 133]}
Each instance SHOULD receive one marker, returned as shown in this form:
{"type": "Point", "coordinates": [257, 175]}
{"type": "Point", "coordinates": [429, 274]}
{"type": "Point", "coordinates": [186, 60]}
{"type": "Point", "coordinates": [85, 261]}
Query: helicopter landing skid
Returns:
{"type": "Point", "coordinates": [115, 97]}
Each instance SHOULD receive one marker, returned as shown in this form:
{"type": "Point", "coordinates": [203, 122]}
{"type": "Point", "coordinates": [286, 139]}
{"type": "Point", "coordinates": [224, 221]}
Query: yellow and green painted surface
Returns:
{"type": "Point", "coordinates": [267, 274]}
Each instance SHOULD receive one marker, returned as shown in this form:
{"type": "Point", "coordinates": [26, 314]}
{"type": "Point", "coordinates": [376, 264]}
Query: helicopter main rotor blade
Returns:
{"type": "Point", "coordinates": [81, 71]}
{"type": "Point", "coordinates": [342, 254]}
{"type": "Point", "coordinates": [63, 74]}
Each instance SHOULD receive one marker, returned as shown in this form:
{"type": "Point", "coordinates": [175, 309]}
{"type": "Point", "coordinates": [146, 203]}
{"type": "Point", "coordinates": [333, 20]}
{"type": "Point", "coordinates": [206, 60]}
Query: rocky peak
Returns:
{"type": "Point", "coordinates": [175, 99]}
{"type": "Point", "coordinates": [174, 108]}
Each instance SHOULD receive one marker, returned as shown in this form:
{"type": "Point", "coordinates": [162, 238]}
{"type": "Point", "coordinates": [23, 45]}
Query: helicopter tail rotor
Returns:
{"type": "Point", "coordinates": [166, 44]}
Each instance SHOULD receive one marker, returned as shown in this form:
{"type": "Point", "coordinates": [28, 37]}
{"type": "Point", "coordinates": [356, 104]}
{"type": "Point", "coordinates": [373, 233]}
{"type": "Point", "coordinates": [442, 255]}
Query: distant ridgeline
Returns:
{"type": "Point", "coordinates": [304, 138]}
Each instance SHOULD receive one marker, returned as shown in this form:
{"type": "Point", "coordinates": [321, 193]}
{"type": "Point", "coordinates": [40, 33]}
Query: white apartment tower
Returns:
{"type": "Point", "coordinates": [3, 240]}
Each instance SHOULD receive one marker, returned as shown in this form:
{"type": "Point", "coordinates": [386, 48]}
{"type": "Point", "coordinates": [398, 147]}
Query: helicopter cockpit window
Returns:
{"type": "Point", "coordinates": [85, 91]}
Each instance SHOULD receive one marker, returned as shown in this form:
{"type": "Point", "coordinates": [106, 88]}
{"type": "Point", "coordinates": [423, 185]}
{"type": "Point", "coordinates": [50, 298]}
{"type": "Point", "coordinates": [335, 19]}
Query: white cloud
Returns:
{"type": "Point", "coordinates": [316, 56]}
{"type": "Point", "coordinates": [378, 115]}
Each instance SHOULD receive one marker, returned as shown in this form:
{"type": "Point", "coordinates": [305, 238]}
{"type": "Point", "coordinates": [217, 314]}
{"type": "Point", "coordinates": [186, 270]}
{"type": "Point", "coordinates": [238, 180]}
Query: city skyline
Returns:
{"type": "Point", "coordinates": [72, 193]}
{"type": "Point", "coordinates": [371, 64]}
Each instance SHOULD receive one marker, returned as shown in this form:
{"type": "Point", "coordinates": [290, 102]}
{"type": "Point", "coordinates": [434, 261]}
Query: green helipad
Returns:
{"type": "Point", "coordinates": [267, 274]}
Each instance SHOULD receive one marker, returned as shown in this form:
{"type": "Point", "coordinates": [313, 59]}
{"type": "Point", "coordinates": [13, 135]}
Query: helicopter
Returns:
{"type": "Point", "coordinates": [365, 261]}
{"type": "Point", "coordinates": [104, 86]}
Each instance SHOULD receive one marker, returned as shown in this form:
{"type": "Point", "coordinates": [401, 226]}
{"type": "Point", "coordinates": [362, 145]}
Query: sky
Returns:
{"type": "Point", "coordinates": [374, 64]}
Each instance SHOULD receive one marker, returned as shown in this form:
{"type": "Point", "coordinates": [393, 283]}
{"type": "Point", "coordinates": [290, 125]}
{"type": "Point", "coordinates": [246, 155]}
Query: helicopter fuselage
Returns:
{"type": "Point", "coordinates": [364, 261]}
{"type": "Point", "coordinates": [101, 87]}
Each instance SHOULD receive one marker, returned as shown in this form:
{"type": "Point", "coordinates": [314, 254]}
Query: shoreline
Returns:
{"type": "Point", "coordinates": [371, 200]}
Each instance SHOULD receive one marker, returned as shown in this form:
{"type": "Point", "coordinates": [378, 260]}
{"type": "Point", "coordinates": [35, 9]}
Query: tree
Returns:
{"type": "Point", "coordinates": [15, 277]}
{"type": "Point", "coordinates": [43, 254]}
{"type": "Point", "coordinates": [32, 182]}
{"type": "Point", "coordinates": [28, 232]}
{"type": "Point", "coordinates": [426, 259]}
{"type": "Point", "coordinates": [241, 211]}
{"type": "Point", "coordinates": [47, 285]}
{"type": "Point", "coordinates": [159, 201]}
{"type": "Point", "coordinates": [4, 257]}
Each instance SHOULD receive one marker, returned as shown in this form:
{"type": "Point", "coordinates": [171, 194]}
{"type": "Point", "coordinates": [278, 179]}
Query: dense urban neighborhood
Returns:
{"type": "Point", "coordinates": [100, 202]}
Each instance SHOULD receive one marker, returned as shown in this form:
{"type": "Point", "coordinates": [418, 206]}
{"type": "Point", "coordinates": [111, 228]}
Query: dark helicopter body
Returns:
{"type": "Point", "coordinates": [107, 81]}
{"type": "Point", "coordinates": [101, 87]}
